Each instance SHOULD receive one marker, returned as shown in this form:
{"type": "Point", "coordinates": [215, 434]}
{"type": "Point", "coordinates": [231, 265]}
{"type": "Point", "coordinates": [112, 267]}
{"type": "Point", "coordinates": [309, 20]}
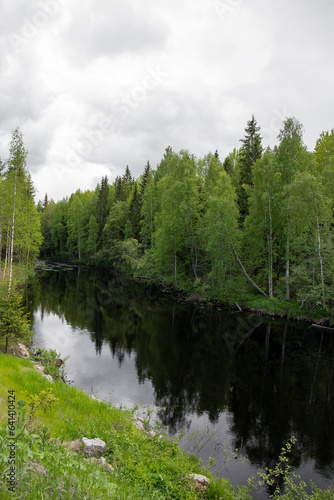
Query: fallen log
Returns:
{"type": "Point", "coordinates": [319, 326]}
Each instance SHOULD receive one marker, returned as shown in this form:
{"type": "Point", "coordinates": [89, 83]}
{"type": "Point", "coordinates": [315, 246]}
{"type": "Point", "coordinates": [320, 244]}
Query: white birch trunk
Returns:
{"type": "Point", "coordinates": [7, 250]}
{"type": "Point", "coordinates": [151, 218]}
{"type": "Point", "coordinates": [175, 263]}
{"type": "Point", "coordinates": [79, 238]}
{"type": "Point", "coordinates": [0, 240]}
{"type": "Point", "coordinates": [321, 267]}
{"type": "Point", "coordinates": [12, 242]}
{"type": "Point", "coordinates": [287, 271]}
{"type": "Point", "coordinates": [270, 250]}
{"type": "Point", "coordinates": [245, 272]}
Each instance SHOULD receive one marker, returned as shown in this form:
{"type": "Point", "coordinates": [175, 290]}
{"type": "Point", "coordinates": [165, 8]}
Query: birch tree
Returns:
{"type": "Point", "coordinates": [291, 157]}
{"type": "Point", "coordinates": [261, 224]}
{"type": "Point", "coordinates": [176, 223]}
{"type": "Point", "coordinates": [219, 231]}
{"type": "Point", "coordinates": [311, 221]}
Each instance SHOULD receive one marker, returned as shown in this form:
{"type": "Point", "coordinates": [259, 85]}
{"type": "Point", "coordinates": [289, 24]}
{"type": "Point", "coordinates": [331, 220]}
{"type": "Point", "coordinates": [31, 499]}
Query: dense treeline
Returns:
{"type": "Point", "coordinates": [20, 236]}
{"type": "Point", "coordinates": [261, 220]}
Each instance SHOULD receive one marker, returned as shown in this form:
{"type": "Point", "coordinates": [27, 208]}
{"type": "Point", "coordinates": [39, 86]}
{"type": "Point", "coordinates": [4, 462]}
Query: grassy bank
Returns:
{"type": "Point", "coordinates": [42, 415]}
{"type": "Point", "coordinates": [145, 467]}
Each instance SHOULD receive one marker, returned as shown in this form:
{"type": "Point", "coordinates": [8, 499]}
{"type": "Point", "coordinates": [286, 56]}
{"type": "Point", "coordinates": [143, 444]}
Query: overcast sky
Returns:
{"type": "Point", "coordinates": [95, 85]}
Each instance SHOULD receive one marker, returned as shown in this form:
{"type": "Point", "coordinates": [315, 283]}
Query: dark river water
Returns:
{"type": "Point", "coordinates": [238, 381]}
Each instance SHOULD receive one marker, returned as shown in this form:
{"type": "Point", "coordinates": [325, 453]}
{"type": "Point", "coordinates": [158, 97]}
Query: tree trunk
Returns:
{"type": "Point", "coordinates": [321, 267]}
{"type": "Point", "coordinates": [175, 264]}
{"type": "Point", "coordinates": [0, 240]}
{"type": "Point", "coordinates": [12, 242]}
{"type": "Point", "coordinates": [79, 238]}
{"type": "Point", "coordinates": [287, 271]}
{"type": "Point", "coordinates": [7, 251]}
{"type": "Point", "coordinates": [245, 272]}
{"type": "Point", "coordinates": [270, 252]}
{"type": "Point", "coordinates": [151, 219]}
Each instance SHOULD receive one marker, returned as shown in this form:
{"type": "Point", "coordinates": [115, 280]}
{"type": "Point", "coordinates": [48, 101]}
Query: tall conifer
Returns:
{"type": "Point", "coordinates": [251, 151]}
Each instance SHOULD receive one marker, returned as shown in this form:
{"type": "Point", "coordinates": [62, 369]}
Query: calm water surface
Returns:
{"type": "Point", "coordinates": [240, 382]}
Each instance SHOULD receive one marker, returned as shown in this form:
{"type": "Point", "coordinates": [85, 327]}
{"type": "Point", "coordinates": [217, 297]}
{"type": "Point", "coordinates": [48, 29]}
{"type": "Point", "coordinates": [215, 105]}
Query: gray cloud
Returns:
{"type": "Point", "coordinates": [112, 28]}
{"type": "Point", "coordinates": [98, 85]}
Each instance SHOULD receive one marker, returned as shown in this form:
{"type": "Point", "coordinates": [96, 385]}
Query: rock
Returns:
{"type": "Point", "coordinates": [96, 399]}
{"type": "Point", "coordinates": [72, 445]}
{"type": "Point", "coordinates": [22, 351]}
{"type": "Point", "coordinates": [39, 469]}
{"type": "Point", "coordinates": [199, 481]}
{"type": "Point", "coordinates": [40, 368]}
{"type": "Point", "coordinates": [139, 424]}
{"type": "Point", "coordinates": [142, 426]}
{"type": "Point", "coordinates": [93, 447]}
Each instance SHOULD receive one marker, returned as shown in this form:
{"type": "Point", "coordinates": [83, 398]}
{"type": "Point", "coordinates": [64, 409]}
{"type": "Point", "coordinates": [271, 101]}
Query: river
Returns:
{"type": "Point", "coordinates": [228, 380]}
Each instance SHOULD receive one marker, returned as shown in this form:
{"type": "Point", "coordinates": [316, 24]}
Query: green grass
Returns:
{"type": "Point", "coordinates": [147, 467]}
{"type": "Point", "coordinates": [292, 309]}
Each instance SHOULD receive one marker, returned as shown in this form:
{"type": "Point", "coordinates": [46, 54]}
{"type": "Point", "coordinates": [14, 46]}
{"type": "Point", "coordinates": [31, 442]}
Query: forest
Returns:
{"type": "Point", "coordinates": [258, 223]}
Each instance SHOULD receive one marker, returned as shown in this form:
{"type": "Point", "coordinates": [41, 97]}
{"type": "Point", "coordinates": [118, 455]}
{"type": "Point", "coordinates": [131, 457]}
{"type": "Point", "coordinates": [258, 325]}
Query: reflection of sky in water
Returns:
{"type": "Point", "coordinates": [87, 369]}
{"type": "Point", "coordinates": [119, 385]}
{"type": "Point", "coordinates": [102, 373]}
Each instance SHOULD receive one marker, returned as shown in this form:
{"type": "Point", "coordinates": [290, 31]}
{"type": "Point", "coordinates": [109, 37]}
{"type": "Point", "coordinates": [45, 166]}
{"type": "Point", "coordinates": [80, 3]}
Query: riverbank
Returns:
{"type": "Point", "coordinates": [139, 464]}
{"type": "Point", "coordinates": [254, 304]}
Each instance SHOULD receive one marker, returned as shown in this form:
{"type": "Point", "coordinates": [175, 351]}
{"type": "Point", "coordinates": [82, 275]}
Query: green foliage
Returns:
{"type": "Point", "coordinates": [51, 361]}
{"type": "Point", "coordinates": [281, 481]}
{"type": "Point", "coordinates": [14, 324]}
{"type": "Point", "coordinates": [177, 223]}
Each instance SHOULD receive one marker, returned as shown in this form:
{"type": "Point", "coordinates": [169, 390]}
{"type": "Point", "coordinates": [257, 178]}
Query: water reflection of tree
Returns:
{"type": "Point", "coordinates": [275, 380]}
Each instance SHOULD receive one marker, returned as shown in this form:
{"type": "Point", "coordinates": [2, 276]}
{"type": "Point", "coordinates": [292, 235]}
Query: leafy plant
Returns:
{"type": "Point", "coordinates": [281, 480]}
{"type": "Point", "coordinates": [53, 364]}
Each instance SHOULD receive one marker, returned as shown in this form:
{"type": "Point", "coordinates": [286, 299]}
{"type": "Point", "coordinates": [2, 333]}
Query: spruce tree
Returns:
{"type": "Point", "coordinates": [144, 178]}
{"type": "Point", "coordinates": [127, 181]}
{"type": "Point", "coordinates": [250, 151]}
{"type": "Point", "coordinates": [118, 189]}
{"type": "Point", "coordinates": [228, 167]}
{"type": "Point", "coordinates": [101, 218]}
{"type": "Point", "coordinates": [134, 212]}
